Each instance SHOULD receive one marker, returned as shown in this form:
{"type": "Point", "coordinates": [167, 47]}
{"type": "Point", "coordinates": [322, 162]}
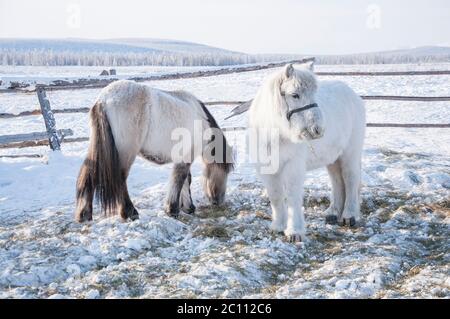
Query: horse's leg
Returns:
{"type": "Point", "coordinates": [294, 176]}
{"type": "Point", "coordinates": [187, 205]}
{"type": "Point", "coordinates": [127, 209]}
{"type": "Point", "coordinates": [179, 175]}
{"type": "Point", "coordinates": [351, 173]}
{"type": "Point", "coordinates": [85, 193]}
{"type": "Point", "coordinates": [337, 195]}
{"type": "Point", "coordinates": [275, 191]}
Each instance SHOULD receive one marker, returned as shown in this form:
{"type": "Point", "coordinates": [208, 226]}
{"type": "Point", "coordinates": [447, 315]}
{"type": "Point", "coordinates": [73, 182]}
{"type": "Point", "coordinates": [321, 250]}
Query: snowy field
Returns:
{"type": "Point", "coordinates": [402, 250]}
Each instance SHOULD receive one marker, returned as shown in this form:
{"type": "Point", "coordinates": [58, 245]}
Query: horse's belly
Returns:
{"type": "Point", "coordinates": [317, 157]}
{"type": "Point", "coordinates": [324, 151]}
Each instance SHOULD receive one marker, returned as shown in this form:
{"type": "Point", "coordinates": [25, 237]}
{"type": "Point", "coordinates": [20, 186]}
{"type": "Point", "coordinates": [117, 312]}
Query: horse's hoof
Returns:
{"type": "Point", "coordinates": [190, 210]}
{"type": "Point", "coordinates": [172, 212]}
{"type": "Point", "coordinates": [296, 238]}
{"type": "Point", "coordinates": [331, 219]}
{"type": "Point", "coordinates": [83, 216]}
{"type": "Point", "coordinates": [351, 222]}
{"type": "Point", "coordinates": [275, 232]}
{"type": "Point", "coordinates": [134, 215]}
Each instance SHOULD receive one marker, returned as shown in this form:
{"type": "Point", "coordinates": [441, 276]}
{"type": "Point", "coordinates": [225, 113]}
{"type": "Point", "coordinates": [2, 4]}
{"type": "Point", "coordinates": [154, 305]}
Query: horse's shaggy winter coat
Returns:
{"type": "Point", "coordinates": [330, 135]}
{"type": "Point", "coordinates": [131, 119]}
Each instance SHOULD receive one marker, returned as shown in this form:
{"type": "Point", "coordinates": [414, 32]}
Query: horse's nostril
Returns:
{"type": "Point", "coordinates": [316, 130]}
{"type": "Point", "coordinates": [313, 132]}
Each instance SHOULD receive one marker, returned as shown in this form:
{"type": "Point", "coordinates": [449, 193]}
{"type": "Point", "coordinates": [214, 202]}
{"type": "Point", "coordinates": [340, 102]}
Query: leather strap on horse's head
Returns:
{"type": "Point", "coordinates": [300, 109]}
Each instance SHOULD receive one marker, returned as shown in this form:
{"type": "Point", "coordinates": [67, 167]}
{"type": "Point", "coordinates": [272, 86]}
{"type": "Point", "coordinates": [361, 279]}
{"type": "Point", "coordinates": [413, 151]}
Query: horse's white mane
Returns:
{"type": "Point", "coordinates": [266, 109]}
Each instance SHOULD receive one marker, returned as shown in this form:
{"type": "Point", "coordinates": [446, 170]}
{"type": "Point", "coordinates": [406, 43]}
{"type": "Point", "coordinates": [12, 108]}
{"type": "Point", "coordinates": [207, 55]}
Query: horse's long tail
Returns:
{"type": "Point", "coordinates": [101, 172]}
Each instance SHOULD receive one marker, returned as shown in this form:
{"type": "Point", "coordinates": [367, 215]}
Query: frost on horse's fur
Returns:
{"type": "Point", "coordinates": [330, 135]}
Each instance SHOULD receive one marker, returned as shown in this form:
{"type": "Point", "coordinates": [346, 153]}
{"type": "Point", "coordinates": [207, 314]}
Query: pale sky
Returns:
{"type": "Point", "coordinates": [252, 26]}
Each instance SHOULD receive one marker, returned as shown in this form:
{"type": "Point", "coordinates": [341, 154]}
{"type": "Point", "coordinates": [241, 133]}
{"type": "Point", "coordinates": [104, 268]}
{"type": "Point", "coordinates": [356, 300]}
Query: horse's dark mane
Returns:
{"type": "Point", "coordinates": [225, 165]}
{"type": "Point", "coordinates": [211, 120]}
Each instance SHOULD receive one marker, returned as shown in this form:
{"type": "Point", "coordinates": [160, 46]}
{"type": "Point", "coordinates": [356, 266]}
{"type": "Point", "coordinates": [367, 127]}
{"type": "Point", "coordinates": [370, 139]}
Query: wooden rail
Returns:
{"type": "Point", "coordinates": [38, 112]}
{"type": "Point", "coordinates": [96, 83]}
{"type": "Point", "coordinates": [243, 128]}
{"type": "Point", "coordinates": [22, 156]}
{"type": "Point", "coordinates": [406, 98]}
{"type": "Point", "coordinates": [30, 139]}
{"type": "Point", "coordinates": [40, 139]}
{"type": "Point", "coordinates": [384, 73]}
{"type": "Point", "coordinates": [386, 125]}
{"type": "Point", "coordinates": [100, 83]}
{"type": "Point", "coordinates": [231, 103]}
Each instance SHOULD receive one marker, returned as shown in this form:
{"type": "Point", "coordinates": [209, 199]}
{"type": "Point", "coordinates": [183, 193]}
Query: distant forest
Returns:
{"type": "Point", "coordinates": [368, 58]}
{"type": "Point", "coordinates": [71, 58]}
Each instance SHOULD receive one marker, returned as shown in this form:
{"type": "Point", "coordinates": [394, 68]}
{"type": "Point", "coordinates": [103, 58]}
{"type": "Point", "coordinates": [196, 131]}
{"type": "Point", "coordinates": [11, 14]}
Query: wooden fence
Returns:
{"type": "Point", "coordinates": [232, 103]}
{"type": "Point", "coordinates": [96, 83]}
{"type": "Point", "coordinates": [54, 137]}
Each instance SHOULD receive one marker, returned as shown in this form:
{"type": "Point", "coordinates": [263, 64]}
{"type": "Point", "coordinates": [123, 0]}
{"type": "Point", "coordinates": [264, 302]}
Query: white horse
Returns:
{"type": "Point", "coordinates": [131, 119]}
{"type": "Point", "coordinates": [319, 124]}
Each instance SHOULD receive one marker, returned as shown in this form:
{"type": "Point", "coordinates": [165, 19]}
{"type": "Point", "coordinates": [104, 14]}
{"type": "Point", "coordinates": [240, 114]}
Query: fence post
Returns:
{"type": "Point", "coordinates": [49, 119]}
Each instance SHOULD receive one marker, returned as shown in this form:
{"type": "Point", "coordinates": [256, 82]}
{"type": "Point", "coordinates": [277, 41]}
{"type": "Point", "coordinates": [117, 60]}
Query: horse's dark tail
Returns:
{"type": "Point", "coordinates": [101, 173]}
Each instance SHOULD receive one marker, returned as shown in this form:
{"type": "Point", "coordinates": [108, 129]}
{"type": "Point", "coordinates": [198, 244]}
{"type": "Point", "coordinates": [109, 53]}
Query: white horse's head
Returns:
{"type": "Point", "coordinates": [288, 99]}
{"type": "Point", "coordinates": [303, 116]}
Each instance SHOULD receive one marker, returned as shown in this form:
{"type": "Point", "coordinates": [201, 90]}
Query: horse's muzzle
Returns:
{"type": "Point", "coordinates": [313, 133]}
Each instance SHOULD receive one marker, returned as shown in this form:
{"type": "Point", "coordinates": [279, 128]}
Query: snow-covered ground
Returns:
{"type": "Point", "coordinates": [401, 251]}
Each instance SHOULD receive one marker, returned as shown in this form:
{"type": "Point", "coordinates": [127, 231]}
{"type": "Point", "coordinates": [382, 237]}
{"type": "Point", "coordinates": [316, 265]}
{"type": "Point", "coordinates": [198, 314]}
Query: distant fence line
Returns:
{"type": "Point", "coordinates": [385, 73]}
{"type": "Point", "coordinates": [96, 83]}
{"type": "Point", "coordinates": [230, 103]}
{"type": "Point", "coordinates": [100, 83]}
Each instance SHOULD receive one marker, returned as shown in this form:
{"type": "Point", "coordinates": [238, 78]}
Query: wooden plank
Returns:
{"type": "Point", "coordinates": [49, 119]}
{"type": "Point", "coordinates": [364, 97]}
{"type": "Point", "coordinates": [225, 129]}
{"type": "Point", "coordinates": [29, 139]}
{"type": "Point", "coordinates": [385, 73]}
{"type": "Point", "coordinates": [76, 140]}
{"type": "Point", "coordinates": [25, 144]}
{"type": "Point", "coordinates": [406, 98]}
{"type": "Point", "coordinates": [31, 136]}
{"type": "Point", "coordinates": [26, 113]}
{"type": "Point", "coordinates": [38, 112]}
{"type": "Point", "coordinates": [22, 156]}
{"type": "Point", "coordinates": [100, 83]}
{"type": "Point", "coordinates": [408, 125]}
{"type": "Point", "coordinates": [214, 103]}
{"type": "Point", "coordinates": [232, 103]}
{"type": "Point", "coordinates": [385, 125]}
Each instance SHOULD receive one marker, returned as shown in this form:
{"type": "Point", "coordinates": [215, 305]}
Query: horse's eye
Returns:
{"type": "Point", "coordinates": [295, 96]}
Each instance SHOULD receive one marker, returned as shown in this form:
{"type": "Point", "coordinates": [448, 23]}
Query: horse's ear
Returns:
{"type": "Point", "coordinates": [289, 70]}
{"type": "Point", "coordinates": [310, 66]}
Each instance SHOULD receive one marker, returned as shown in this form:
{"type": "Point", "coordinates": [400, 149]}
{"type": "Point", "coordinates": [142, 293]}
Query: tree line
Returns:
{"type": "Point", "coordinates": [70, 58]}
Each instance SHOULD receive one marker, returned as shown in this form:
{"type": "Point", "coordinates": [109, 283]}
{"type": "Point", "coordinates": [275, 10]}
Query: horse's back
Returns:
{"type": "Point", "coordinates": [125, 104]}
{"type": "Point", "coordinates": [124, 94]}
{"type": "Point", "coordinates": [348, 105]}
{"type": "Point", "coordinates": [172, 112]}
{"type": "Point", "coordinates": [338, 101]}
